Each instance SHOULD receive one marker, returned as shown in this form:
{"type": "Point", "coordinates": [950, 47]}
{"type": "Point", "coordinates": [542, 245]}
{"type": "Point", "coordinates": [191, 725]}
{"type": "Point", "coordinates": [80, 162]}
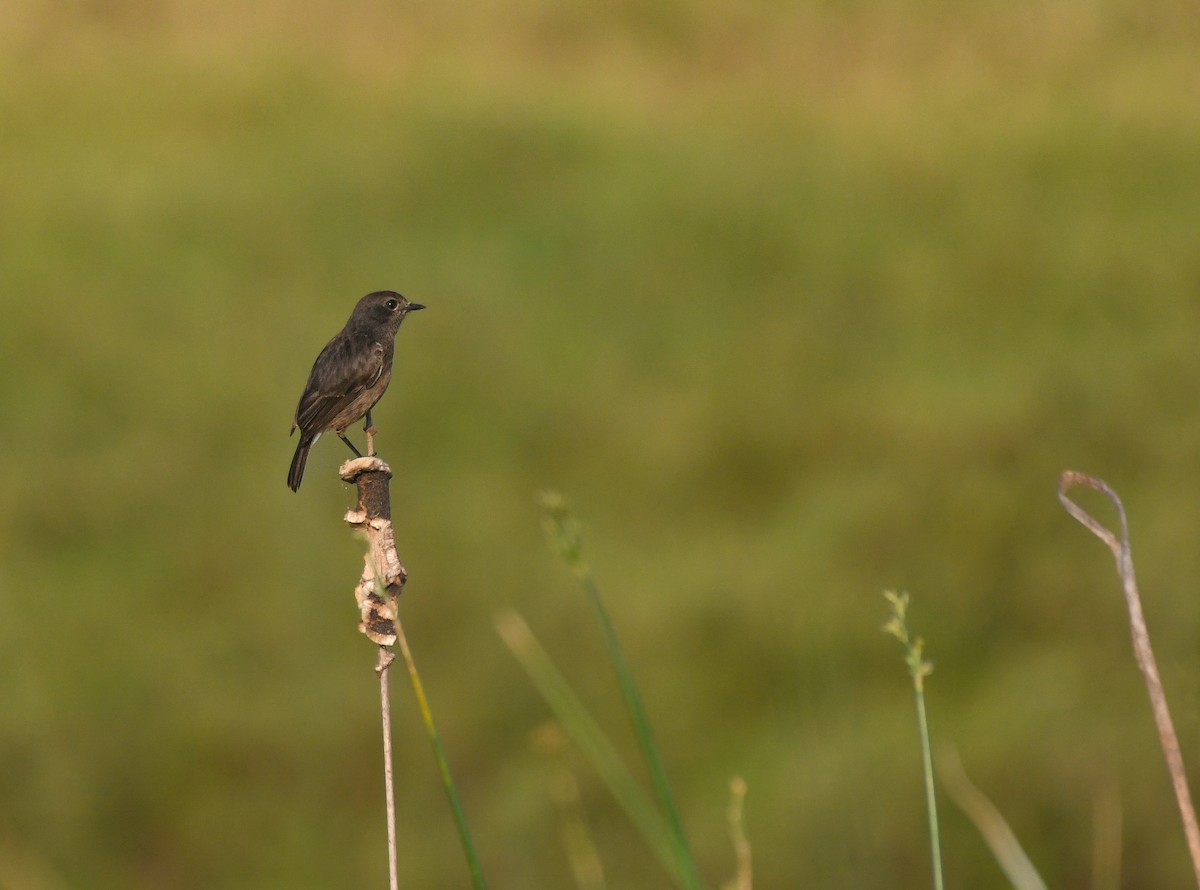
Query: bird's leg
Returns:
{"type": "Point", "coordinates": [370, 430]}
{"type": "Point", "coordinates": [342, 435]}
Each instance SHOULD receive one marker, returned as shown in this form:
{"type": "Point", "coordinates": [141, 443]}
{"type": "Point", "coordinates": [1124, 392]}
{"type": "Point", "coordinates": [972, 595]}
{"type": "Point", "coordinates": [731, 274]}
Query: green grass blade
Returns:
{"type": "Point", "coordinates": [587, 733]}
{"type": "Point", "coordinates": [1012, 858]}
{"type": "Point", "coordinates": [645, 738]}
{"type": "Point", "coordinates": [564, 531]}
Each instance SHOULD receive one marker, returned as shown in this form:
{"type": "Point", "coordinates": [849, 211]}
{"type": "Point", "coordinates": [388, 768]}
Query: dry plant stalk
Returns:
{"type": "Point", "coordinates": [743, 879]}
{"type": "Point", "coordinates": [1013, 860]}
{"type": "Point", "coordinates": [383, 574]}
{"type": "Point", "coordinates": [377, 593]}
{"type": "Point", "coordinates": [1141, 645]}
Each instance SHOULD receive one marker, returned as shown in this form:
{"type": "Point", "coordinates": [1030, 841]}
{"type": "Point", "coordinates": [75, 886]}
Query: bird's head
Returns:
{"type": "Point", "coordinates": [383, 309]}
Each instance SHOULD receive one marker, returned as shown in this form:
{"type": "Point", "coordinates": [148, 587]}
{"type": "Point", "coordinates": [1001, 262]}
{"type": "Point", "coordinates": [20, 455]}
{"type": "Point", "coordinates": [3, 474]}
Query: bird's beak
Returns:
{"type": "Point", "coordinates": [413, 307]}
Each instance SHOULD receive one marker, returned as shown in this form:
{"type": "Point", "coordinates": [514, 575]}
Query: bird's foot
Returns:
{"type": "Point", "coordinates": [349, 444]}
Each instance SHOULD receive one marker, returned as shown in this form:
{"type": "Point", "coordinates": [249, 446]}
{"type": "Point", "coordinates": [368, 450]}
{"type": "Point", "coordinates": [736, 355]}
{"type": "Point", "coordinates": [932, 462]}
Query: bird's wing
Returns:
{"type": "Point", "coordinates": [346, 367]}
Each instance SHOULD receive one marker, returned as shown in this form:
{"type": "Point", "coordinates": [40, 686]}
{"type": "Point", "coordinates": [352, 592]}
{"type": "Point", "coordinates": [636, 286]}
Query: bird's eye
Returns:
{"type": "Point", "coordinates": [391, 304]}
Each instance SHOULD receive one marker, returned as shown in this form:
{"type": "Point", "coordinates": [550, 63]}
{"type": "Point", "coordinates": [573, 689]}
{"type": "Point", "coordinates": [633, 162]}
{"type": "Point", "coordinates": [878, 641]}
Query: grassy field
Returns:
{"type": "Point", "coordinates": [793, 302]}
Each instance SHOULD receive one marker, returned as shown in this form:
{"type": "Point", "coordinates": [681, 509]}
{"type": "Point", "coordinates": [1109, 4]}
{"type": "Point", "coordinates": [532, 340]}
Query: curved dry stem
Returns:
{"type": "Point", "coordinates": [1011, 856]}
{"type": "Point", "coordinates": [1123, 554]}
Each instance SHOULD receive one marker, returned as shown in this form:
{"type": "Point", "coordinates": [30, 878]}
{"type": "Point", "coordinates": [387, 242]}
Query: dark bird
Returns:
{"type": "Point", "coordinates": [349, 376]}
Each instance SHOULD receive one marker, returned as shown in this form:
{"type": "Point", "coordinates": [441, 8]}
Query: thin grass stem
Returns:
{"type": "Point", "coordinates": [744, 876]}
{"type": "Point", "coordinates": [460, 818]}
{"type": "Point", "coordinates": [564, 530]}
{"type": "Point", "coordinates": [587, 733]}
{"type": "Point", "coordinates": [935, 836]}
{"type": "Point", "coordinates": [389, 783]}
{"type": "Point", "coordinates": [919, 669]}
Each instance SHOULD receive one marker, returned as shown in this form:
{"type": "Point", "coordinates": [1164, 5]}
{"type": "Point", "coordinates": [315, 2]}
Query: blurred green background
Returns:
{"type": "Point", "coordinates": [794, 301]}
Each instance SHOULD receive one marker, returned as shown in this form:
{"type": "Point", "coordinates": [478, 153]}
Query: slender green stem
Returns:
{"type": "Point", "coordinates": [645, 738]}
{"type": "Point", "coordinates": [564, 531]}
{"type": "Point", "coordinates": [919, 669]}
{"type": "Point", "coordinates": [935, 843]}
{"type": "Point", "coordinates": [588, 735]}
{"type": "Point", "coordinates": [443, 766]}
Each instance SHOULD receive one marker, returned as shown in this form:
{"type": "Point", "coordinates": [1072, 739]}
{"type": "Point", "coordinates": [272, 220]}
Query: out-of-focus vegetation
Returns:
{"type": "Point", "coordinates": [795, 301]}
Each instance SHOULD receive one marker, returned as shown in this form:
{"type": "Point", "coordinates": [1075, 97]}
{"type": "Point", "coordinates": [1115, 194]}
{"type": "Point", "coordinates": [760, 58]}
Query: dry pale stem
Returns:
{"type": "Point", "coordinates": [378, 593]}
{"type": "Point", "coordinates": [1123, 554]}
{"type": "Point", "coordinates": [376, 596]}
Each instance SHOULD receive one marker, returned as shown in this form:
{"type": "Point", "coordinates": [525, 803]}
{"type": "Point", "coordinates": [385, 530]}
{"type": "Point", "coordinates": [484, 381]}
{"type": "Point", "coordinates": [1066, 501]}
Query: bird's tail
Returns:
{"type": "Point", "coordinates": [299, 459]}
